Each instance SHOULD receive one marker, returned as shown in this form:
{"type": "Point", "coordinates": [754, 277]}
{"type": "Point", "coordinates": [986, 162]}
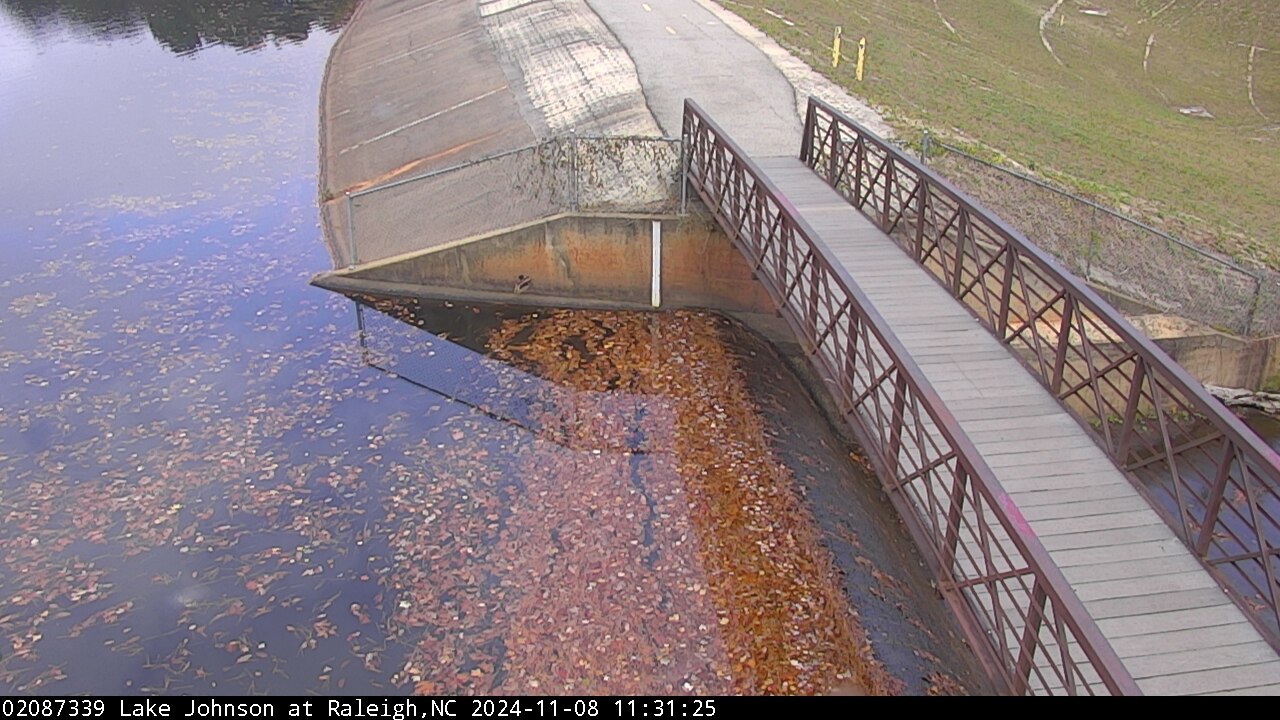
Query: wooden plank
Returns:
{"type": "Point", "coordinates": [892, 286]}
{"type": "Point", "coordinates": [1165, 602]}
{"type": "Point", "coordinates": [1210, 680]}
{"type": "Point", "coordinates": [993, 393]}
{"type": "Point", "coordinates": [988, 406]}
{"type": "Point", "coordinates": [1097, 470]}
{"type": "Point", "coordinates": [1019, 487]}
{"type": "Point", "coordinates": [972, 334]}
{"type": "Point", "coordinates": [832, 229]}
{"type": "Point", "coordinates": [1164, 622]}
{"type": "Point", "coordinates": [955, 352]}
{"type": "Point", "coordinates": [1020, 406]}
{"type": "Point", "coordinates": [935, 324]}
{"type": "Point", "coordinates": [1110, 568]}
{"type": "Point", "coordinates": [1013, 434]}
{"type": "Point", "coordinates": [986, 419]}
{"type": "Point", "coordinates": [1074, 450]}
{"type": "Point", "coordinates": [992, 421]}
{"type": "Point", "coordinates": [1131, 502]}
{"type": "Point", "coordinates": [1117, 553]}
{"type": "Point", "coordinates": [1260, 691]}
{"type": "Point", "coordinates": [831, 223]}
{"type": "Point", "coordinates": [1182, 640]}
{"type": "Point", "coordinates": [945, 382]}
{"type": "Point", "coordinates": [942, 382]}
{"type": "Point", "coordinates": [1004, 364]}
{"type": "Point", "coordinates": [1028, 501]}
{"type": "Point", "coordinates": [1155, 585]}
{"type": "Point", "coordinates": [1104, 538]}
{"type": "Point", "coordinates": [1093, 523]}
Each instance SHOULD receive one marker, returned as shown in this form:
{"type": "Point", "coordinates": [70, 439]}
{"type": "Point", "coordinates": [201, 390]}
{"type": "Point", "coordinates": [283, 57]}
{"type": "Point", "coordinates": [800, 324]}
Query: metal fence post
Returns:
{"type": "Point", "coordinates": [1253, 303]}
{"type": "Point", "coordinates": [833, 157]}
{"type": "Point", "coordinates": [684, 177]}
{"type": "Point", "coordinates": [925, 144]}
{"type": "Point", "coordinates": [352, 260]}
{"type": "Point", "coordinates": [573, 170]}
{"type": "Point", "coordinates": [1095, 244]}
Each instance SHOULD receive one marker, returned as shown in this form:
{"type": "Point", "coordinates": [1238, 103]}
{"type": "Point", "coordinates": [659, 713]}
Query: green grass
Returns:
{"type": "Point", "coordinates": [1098, 122]}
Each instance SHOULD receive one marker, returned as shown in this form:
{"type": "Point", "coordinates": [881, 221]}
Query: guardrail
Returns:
{"type": "Point", "coordinates": [1019, 613]}
{"type": "Point", "coordinates": [567, 174]}
{"type": "Point", "coordinates": [1210, 477]}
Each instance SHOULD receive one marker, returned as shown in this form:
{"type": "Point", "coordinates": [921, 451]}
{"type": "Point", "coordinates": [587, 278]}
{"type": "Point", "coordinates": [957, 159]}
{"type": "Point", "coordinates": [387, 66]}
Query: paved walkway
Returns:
{"type": "Point", "coordinates": [681, 50]}
{"type": "Point", "coordinates": [1167, 619]}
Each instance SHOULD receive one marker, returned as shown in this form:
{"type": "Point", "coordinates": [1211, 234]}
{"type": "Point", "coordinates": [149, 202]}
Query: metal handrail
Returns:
{"type": "Point", "coordinates": [1028, 627]}
{"type": "Point", "coordinates": [567, 173]}
{"type": "Point", "coordinates": [1211, 478]}
{"type": "Point", "coordinates": [551, 141]}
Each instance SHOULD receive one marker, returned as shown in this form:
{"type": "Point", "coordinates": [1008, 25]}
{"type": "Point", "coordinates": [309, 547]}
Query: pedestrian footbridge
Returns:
{"type": "Point", "coordinates": [1096, 521]}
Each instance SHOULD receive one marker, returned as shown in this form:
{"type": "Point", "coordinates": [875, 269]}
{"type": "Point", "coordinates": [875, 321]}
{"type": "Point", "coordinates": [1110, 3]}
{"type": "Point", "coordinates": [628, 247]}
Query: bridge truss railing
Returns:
{"type": "Point", "coordinates": [1212, 479]}
{"type": "Point", "coordinates": [1019, 613]}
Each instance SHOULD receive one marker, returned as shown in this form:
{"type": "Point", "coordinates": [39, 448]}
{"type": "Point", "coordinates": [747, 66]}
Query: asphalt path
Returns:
{"type": "Point", "coordinates": [681, 50]}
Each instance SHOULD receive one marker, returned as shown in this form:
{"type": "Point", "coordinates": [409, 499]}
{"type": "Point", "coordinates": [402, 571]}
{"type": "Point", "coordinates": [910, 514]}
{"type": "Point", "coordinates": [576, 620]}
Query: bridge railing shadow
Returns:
{"type": "Point", "coordinates": [1020, 615]}
{"type": "Point", "coordinates": [1210, 477]}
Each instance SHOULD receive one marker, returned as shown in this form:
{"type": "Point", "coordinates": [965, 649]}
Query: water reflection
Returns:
{"type": "Point", "coordinates": [185, 26]}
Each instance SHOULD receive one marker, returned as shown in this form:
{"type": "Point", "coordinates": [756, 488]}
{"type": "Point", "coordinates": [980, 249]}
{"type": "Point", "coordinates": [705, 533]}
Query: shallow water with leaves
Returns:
{"type": "Point", "coordinates": [631, 528]}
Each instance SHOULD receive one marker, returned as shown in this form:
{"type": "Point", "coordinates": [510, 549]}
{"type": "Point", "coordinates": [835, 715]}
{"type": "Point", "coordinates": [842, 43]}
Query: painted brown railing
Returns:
{"type": "Point", "coordinates": [1020, 615]}
{"type": "Point", "coordinates": [1208, 475]}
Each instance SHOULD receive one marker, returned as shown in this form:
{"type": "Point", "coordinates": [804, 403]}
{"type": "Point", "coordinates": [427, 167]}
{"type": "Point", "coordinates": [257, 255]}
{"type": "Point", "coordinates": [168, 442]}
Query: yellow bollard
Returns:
{"type": "Point", "coordinates": [862, 54]}
{"type": "Point", "coordinates": [835, 48]}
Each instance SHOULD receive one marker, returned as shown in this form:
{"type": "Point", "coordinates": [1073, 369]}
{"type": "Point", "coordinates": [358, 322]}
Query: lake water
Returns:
{"type": "Point", "coordinates": [184, 422]}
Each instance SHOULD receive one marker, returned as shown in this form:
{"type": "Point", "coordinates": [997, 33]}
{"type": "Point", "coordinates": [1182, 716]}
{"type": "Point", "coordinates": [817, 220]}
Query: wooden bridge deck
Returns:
{"type": "Point", "coordinates": [1165, 616]}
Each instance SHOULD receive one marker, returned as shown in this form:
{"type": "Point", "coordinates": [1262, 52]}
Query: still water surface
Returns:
{"type": "Point", "coordinates": [184, 425]}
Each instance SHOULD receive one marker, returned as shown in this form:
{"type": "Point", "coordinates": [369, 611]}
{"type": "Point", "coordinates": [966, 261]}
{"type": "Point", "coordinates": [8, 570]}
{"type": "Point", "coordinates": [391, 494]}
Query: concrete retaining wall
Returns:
{"type": "Point", "coordinates": [581, 261]}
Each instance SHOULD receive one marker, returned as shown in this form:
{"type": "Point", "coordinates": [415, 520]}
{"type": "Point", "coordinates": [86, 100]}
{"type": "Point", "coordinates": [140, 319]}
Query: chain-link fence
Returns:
{"type": "Point", "coordinates": [1118, 252]}
{"type": "Point", "coordinates": [559, 175]}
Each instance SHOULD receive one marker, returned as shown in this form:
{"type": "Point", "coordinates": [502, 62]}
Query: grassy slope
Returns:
{"type": "Point", "coordinates": [1098, 121]}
